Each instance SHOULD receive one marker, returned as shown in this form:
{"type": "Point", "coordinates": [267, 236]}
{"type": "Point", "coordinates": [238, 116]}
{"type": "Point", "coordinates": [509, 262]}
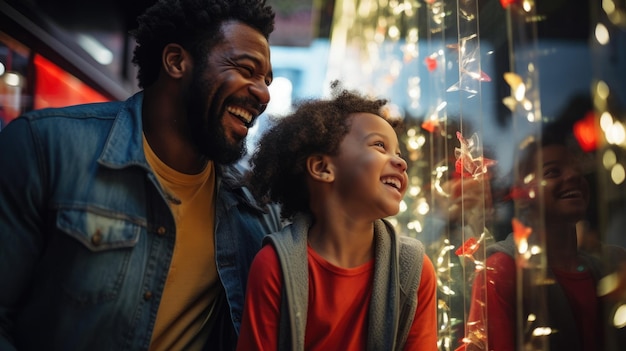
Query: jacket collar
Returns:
{"type": "Point", "coordinates": [124, 148]}
{"type": "Point", "coordinates": [124, 144]}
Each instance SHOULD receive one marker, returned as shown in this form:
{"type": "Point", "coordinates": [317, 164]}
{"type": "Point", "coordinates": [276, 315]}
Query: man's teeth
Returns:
{"type": "Point", "coordinates": [241, 113]}
{"type": "Point", "coordinates": [392, 181]}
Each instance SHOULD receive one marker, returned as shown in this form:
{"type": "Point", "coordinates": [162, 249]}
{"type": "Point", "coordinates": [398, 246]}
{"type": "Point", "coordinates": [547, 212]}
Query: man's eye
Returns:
{"type": "Point", "coordinates": [248, 70]}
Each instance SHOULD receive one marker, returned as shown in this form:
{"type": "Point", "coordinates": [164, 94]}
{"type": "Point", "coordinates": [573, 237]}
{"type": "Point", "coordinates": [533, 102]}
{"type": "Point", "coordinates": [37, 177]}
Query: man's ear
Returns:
{"type": "Point", "coordinates": [320, 168]}
{"type": "Point", "coordinates": [176, 60]}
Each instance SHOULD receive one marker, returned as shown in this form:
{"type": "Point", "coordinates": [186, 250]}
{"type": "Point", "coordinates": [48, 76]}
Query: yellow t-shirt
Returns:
{"type": "Point", "coordinates": [192, 284]}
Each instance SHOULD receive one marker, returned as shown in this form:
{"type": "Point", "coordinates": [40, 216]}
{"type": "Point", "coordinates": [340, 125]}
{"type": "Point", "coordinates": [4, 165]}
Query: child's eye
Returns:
{"type": "Point", "coordinates": [379, 143]}
{"type": "Point", "coordinates": [551, 172]}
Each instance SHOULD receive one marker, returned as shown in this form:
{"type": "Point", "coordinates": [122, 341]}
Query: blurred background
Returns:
{"type": "Point", "coordinates": [89, 40]}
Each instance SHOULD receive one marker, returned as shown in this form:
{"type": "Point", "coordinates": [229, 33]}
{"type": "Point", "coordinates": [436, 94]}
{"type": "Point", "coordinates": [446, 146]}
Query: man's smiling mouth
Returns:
{"type": "Point", "coordinates": [241, 114]}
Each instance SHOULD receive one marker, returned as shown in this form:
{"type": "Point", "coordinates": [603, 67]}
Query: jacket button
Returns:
{"type": "Point", "coordinates": [96, 239]}
{"type": "Point", "coordinates": [161, 231]}
{"type": "Point", "coordinates": [147, 295]}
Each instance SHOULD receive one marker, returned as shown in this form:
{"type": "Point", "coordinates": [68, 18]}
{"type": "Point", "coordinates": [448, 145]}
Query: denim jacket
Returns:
{"type": "Point", "coordinates": [86, 234]}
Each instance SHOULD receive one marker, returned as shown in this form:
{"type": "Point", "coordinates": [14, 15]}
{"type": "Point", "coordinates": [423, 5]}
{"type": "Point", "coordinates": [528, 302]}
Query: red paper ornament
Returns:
{"type": "Point", "coordinates": [469, 248]}
{"type": "Point", "coordinates": [587, 133]}
{"type": "Point", "coordinates": [507, 3]}
{"type": "Point", "coordinates": [520, 231]}
{"type": "Point", "coordinates": [431, 63]}
{"type": "Point", "coordinates": [430, 125]}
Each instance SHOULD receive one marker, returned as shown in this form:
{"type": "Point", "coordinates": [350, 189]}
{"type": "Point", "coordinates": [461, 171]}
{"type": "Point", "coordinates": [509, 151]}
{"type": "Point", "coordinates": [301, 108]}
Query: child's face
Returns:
{"type": "Point", "coordinates": [369, 172]}
{"type": "Point", "coordinates": [565, 190]}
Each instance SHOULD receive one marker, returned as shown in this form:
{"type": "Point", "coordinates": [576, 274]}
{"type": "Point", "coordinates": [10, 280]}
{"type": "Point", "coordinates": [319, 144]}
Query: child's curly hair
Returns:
{"type": "Point", "coordinates": [316, 127]}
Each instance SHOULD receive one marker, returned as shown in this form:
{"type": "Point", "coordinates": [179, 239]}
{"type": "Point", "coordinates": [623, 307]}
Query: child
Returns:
{"type": "Point", "coordinates": [338, 277]}
{"type": "Point", "coordinates": [574, 310]}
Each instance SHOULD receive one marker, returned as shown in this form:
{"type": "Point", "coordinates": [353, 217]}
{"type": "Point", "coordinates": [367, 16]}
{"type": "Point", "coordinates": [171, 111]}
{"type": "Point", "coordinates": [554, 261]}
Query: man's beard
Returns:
{"type": "Point", "coordinates": [211, 141]}
{"type": "Point", "coordinates": [207, 131]}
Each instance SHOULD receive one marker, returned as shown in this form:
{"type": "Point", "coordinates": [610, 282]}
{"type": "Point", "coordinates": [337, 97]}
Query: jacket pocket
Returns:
{"type": "Point", "coordinates": [97, 231]}
{"type": "Point", "coordinates": [95, 261]}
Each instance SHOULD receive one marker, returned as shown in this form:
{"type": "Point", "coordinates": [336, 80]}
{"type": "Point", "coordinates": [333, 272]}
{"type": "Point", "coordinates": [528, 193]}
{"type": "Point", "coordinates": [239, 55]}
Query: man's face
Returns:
{"type": "Point", "coordinates": [228, 92]}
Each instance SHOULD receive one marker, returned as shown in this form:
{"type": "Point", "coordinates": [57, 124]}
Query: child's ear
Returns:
{"type": "Point", "coordinates": [320, 168]}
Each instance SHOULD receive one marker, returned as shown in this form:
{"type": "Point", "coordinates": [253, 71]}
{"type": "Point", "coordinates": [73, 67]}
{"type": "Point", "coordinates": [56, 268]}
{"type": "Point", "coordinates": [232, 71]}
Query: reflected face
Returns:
{"type": "Point", "coordinates": [565, 190]}
{"type": "Point", "coordinates": [228, 92]}
{"type": "Point", "coordinates": [369, 171]}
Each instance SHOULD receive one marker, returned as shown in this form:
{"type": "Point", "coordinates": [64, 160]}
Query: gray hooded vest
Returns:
{"type": "Point", "coordinates": [397, 272]}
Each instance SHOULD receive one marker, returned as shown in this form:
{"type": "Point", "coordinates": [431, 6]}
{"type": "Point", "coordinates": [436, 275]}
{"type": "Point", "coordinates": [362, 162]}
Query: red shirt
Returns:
{"type": "Point", "coordinates": [337, 307]}
{"type": "Point", "coordinates": [494, 304]}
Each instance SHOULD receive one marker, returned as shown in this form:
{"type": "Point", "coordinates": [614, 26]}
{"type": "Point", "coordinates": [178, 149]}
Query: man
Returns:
{"type": "Point", "coordinates": [122, 226]}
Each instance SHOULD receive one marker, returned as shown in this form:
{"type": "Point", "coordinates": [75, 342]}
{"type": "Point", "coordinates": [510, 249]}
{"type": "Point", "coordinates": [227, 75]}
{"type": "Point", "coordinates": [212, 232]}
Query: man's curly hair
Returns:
{"type": "Point", "coordinates": [316, 127]}
{"type": "Point", "coordinates": [195, 25]}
